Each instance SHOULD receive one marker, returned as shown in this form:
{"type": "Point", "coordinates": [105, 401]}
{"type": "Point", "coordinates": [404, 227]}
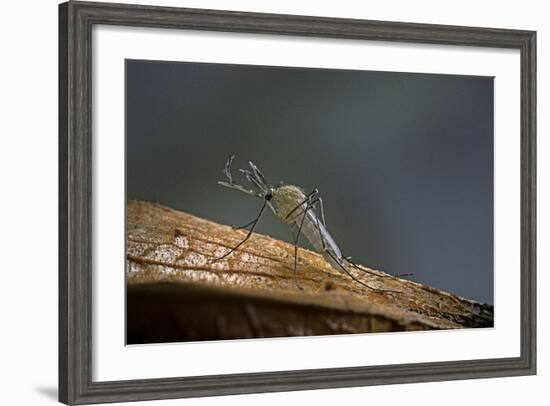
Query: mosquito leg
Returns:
{"type": "Point", "coordinates": [296, 240]}
{"type": "Point", "coordinates": [322, 211]}
{"type": "Point", "coordinates": [346, 271]}
{"type": "Point", "coordinates": [354, 278]}
{"type": "Point", "coordinates": [353, 264]}
{"type": "Point", "coordinates": [292, 231]}
{"type": "Point", "coordinates": [311, 204]}
{"type": "Point", "coordinates": [349, 261]}
{"type": "Point", "coordinates": [246, 238]}
{"type": "Point", "coordinates": [329, 252]}
{"type": "Point", "coordinates": [296, 264]}
{"type": "Point", "coordinates": [337, 261]}
{"type": "Point", "coordinates": [245, 226]}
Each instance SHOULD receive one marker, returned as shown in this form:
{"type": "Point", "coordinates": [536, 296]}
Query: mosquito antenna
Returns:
{"type": "Point", "coordinates": [250, 176]}
{"type": "Point", "coordinates": [227, 172]}
{"type": "Point", "coordinates": [227, 168]}
{"type": "Point", "coordinates": [238, 187]}
{"type": "Point", "coordinates": [259, 175]}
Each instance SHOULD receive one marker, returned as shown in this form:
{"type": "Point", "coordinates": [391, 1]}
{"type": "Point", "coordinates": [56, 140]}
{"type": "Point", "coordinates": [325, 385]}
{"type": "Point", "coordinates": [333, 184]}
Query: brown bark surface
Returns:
{"type": "Point", "coordinates": [176, 294]}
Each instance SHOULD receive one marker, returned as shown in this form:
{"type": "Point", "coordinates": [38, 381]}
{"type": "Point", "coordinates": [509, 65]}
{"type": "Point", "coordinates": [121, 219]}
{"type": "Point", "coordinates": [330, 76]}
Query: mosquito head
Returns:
{"type": "Point", "coordinates": [269, 194]}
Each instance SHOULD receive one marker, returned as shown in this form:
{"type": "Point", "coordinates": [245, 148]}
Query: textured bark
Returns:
{"type": "Point", "coordinates": [175, 294]}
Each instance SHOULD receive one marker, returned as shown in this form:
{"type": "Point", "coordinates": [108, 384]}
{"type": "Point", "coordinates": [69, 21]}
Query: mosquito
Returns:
{"type": "Point", "coordinates": [294, 207]}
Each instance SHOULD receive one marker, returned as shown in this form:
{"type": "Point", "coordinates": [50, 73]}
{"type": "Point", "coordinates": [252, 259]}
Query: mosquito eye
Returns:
{"type": "Point", "coordinates": [268, 196]}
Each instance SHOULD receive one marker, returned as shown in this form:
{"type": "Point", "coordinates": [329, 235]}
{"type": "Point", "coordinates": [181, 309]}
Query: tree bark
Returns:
{"type": "Point", "coordinates": [175, 292]}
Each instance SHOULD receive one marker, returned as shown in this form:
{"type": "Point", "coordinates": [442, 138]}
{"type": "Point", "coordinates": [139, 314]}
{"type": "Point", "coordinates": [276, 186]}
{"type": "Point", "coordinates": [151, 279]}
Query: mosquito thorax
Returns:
{"type": "Point", "coordinates": [286, 198]}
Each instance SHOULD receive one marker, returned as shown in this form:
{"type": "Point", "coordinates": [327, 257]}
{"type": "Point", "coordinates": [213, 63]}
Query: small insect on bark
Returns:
{"type": "Point", "coordinates": [294, 207]}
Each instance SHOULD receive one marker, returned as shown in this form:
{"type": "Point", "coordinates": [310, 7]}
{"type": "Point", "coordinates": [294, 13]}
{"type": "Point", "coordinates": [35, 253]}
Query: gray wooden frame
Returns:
{"type": "Point", "coordinates": [76, 20]}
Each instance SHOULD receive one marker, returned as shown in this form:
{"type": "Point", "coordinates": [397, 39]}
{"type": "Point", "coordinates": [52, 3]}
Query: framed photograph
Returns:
{"type": "Point", "coordinates": [258, 202]}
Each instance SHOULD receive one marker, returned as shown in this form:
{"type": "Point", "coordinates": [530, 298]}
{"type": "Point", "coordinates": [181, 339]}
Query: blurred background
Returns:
{"type": "Point", "coordinates": [404, 162]}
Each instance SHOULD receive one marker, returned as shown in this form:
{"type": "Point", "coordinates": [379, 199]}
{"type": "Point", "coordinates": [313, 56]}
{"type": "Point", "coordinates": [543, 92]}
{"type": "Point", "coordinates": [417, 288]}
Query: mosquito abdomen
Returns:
{"type": "Point", "coordinates": [321, 240]}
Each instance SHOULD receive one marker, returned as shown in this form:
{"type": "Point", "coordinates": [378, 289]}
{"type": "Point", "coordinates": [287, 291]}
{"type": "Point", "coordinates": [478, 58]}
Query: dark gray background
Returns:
{"type": "Point", "coordinates": [404, 162]}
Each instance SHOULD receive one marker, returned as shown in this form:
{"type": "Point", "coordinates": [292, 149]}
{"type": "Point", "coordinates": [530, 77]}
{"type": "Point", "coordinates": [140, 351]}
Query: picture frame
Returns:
{"type": "Point", "coordinates": [76, 352]}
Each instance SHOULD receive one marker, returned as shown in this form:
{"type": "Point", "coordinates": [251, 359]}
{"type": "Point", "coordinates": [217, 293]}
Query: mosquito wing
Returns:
{"type": "Point", "coordinates": [319, 237]}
